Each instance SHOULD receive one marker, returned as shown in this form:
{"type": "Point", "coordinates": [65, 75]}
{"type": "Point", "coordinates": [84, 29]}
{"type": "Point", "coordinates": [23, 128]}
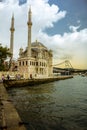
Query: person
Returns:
{"type": "Point", "coordinates": [8, 77]}
{"type": "Point", "coordinates": [30, 76]}
{"type": "Point", "coordinates": [3, 77]}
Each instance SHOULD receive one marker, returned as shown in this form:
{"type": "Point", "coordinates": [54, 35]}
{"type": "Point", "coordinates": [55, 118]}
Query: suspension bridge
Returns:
{"type": "Point", "coordinates": [66, 68]}
{"type": "Point", "coordinates": [66, 63]}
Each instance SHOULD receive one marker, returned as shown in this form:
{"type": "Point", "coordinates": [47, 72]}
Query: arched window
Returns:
{"type": "Point", "coordinates": [36, 63]}
{"type": "Point", "coordinates": [20, 63]}
{"type": "Point", "coordinates": [23, 63]}
{"type": "Point", "coordinates": [26, 63]}
{"type": "Point", "coordinates": [30, 62]}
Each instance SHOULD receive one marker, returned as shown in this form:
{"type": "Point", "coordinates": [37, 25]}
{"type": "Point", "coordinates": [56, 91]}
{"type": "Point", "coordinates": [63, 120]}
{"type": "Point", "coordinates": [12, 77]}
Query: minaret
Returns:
{"type": "Point", "coordinates": [29, 23]}
{"type": "Point", "coordinates": [12, 29]}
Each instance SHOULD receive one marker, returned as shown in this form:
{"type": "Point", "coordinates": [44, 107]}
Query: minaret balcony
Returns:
{"type": "Point", "coordinates": [29, 23]}
{"type": "Point", "coordinates": [12, 29]}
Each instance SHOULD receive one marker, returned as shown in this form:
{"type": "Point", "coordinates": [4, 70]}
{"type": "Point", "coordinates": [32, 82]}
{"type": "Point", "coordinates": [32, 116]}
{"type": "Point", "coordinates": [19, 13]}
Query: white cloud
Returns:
{"type": "Point", "coordinates": [43, 17]}
{"type": "Point", "coordinates": [71, 46]}
{"type": "Point", "coordinates": [74, 28]}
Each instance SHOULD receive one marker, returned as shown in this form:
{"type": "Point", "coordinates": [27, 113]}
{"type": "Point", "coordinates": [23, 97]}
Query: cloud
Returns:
{"type": "Point", "coordinates": [74, 28]}
{"type": "Point", "coordinates": [44, 16]}
{"type": "Point", "coordinates": [71, 46]}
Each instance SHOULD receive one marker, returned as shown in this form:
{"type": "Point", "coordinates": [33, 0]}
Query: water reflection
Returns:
{"type": "Point", "coordinates": [60, 105]}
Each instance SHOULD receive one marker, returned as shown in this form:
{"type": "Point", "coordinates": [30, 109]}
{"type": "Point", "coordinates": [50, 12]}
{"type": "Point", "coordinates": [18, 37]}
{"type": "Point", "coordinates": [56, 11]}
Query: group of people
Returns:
{"type": "Point", "coordinates": [3, 77]}
{"type": "Point", "coordinates": [17, 76]}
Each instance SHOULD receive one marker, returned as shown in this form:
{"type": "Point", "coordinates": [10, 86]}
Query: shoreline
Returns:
{"type": "Point", "coordinates": [32, 82]}
{"type": "Point", "coordinates": [9, 117]}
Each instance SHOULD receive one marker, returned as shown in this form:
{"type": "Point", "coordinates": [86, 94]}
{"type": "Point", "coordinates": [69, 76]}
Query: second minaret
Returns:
{"type": "Point", "coordinates": [12, 29]}
{"type": "Point", "coordinates": [29, 23]}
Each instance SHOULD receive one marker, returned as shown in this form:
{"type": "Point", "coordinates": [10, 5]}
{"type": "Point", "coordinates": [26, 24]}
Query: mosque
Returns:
{"type": "Point", "coordinates": [36, 59]}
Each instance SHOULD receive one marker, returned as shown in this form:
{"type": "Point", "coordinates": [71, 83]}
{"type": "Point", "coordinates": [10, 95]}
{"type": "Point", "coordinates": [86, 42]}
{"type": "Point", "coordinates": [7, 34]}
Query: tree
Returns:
{"type": "Point", "coordinates": [4, 54]}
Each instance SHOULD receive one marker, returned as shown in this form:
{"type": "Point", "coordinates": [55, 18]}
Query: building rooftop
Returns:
{"type": "Point", "coordinates": [38, 45]}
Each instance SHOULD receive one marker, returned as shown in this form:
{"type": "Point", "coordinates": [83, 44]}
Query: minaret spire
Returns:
{"type": "Point", "coordinates": [29, 23]}
{"type": "Point", "coordinates": [12, 29]}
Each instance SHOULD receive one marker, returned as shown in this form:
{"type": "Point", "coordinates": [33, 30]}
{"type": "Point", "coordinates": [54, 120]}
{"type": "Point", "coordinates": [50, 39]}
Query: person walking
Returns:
{"type": "Point", "coordinates": [3, 77]}
{"type": "Point", "coordinates": [8, 77]}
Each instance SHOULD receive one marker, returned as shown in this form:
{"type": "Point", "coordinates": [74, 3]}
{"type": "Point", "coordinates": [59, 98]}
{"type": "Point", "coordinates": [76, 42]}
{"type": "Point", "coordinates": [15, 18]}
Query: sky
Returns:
{"type": "Point", "coordinates": [61, 25]}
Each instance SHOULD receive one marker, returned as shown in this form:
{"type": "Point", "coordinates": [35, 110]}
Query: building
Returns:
{"type": "Point", "coordinates": [36, 60]}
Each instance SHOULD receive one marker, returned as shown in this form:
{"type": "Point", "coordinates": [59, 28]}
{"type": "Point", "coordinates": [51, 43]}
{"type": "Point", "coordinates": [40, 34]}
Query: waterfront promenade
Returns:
{"type": "Point", "coordinates": [32, 82]}
{"type": "Point", "coordinates": [9, 118]}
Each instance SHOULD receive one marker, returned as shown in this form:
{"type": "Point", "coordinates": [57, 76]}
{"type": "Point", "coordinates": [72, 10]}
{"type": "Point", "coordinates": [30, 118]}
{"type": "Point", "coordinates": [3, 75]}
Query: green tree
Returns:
{"type": "Point", "coordinates": [4, 54]}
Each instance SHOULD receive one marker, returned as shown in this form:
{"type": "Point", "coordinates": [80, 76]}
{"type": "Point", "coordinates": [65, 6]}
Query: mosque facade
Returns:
{"type": "Point", "coordinates": [36, 59]}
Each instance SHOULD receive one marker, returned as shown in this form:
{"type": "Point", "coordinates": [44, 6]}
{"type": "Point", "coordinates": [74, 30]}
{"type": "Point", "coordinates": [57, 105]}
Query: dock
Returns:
{"type": "Point", "coordinates": [9, 118]}
{"type": "Point", "coordinates": [32, 82]}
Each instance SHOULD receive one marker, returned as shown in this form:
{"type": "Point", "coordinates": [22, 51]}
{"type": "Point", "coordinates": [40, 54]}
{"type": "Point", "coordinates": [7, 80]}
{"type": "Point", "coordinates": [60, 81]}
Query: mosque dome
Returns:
{"type": "Point", "coordinates": [38, 45]}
